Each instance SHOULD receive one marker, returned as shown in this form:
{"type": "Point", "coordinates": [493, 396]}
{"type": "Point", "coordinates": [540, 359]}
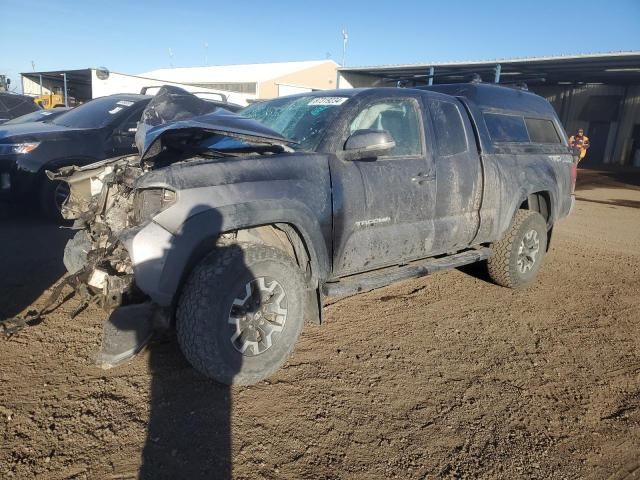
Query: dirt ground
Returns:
{"type": "Point", "coordinates": [447, 376]}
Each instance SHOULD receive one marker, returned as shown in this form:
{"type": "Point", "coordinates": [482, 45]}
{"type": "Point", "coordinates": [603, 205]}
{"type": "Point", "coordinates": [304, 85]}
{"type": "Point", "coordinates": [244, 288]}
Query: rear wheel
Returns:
{"type": "Point", "coordinates": [517, 257]}
{"type": "Point", "coordinates": [241, 313]}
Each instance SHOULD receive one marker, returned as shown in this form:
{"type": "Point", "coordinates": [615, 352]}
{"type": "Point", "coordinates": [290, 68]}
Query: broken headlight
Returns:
{"type": "Point", "coordinates": [151, 201]}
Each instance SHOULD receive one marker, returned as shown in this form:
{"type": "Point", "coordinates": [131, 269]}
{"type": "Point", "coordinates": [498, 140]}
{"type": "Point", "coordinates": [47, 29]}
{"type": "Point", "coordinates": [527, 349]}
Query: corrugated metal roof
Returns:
{"type": "Point", "coordinates": [457, 63]}
{"type": "Point", "coordinates": [621, 68]}
{"type": "Point", "coordinates": [256, 72]}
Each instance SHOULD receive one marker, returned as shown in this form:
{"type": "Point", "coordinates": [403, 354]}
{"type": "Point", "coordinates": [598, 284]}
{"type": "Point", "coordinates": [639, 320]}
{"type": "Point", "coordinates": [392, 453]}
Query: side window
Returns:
{"type": "Point", "coordinates": [130, 123]}
{"type": "Point", "coordinates": [400, 118]}
{"type": "Point", "coordinates": [542, 131]}
{"type": "Point", "coordinates": [451, 137]}
{"type": "Point", "coordinates": [506, 128]}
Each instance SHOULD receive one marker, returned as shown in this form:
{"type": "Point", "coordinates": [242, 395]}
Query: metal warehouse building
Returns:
{"type": "Point", "coordinates": [85, 84]}
{"type": "Point", "coordinates": [597, 92]}
{"type": "Point", "coordinates": [238, 83]}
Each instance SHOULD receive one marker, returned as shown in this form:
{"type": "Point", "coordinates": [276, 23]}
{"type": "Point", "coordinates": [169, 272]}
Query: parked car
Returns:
{"type": "Point", "coordinates": [238, 227]}
{"type": "Point", "coordinates": [38, 116]}
{"type": "Point", "coordinates": [13, 105]}
{"type": "Point", "coordinates": [99, 129]}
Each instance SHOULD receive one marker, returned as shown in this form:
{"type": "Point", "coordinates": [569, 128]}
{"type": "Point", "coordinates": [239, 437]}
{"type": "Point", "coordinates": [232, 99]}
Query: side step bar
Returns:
{"type": "Point", "coordinates": [380, 278]}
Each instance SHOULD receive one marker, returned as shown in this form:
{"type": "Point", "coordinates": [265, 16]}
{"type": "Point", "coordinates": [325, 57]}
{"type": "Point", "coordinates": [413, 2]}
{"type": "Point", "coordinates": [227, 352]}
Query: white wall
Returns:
{"type": "Point", "coordinates": [121, 83]}
{"type": "Point", "coordinates": [284, 90]}
{"type": "Point", "coordinates": [357, 80]}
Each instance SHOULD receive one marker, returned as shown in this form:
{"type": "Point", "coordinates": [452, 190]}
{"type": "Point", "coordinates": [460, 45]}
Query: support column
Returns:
{"type": "Point", "coordinates": [66, 101]}
{"type": "Point", "coordinates": [496, 78]}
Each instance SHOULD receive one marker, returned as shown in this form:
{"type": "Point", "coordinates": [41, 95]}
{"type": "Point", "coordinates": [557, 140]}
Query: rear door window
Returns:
{"type": "Point", "coordinates": [451, 137]}
{"type": "Point", "coordinates": [542, 131]}
{"type": "Point", "coordinates": [506, 128]}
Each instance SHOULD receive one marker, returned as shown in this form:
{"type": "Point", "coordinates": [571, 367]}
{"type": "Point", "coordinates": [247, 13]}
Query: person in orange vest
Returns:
{"type": "Point", "coordinates": [580, 144]}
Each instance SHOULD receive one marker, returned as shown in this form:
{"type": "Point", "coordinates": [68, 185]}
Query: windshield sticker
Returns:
{"type": "Point", "coordinates": [125, 103]}
{"type": "Point", "coordinates": [44, 114]}
{"type": "Point", "coordinates": [115, 110]}
{"type": "Point", "coordinates": [328, 101]}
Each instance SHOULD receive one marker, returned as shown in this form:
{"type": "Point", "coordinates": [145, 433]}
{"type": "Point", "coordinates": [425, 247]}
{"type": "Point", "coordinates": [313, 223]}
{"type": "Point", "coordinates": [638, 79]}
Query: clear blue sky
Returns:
{"type": "Point", "coordinates": [133, 37]}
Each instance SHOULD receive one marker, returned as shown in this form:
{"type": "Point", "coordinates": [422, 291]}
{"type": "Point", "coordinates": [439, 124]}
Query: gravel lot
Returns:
{"type": "Point", "coordinates": [447, 376]}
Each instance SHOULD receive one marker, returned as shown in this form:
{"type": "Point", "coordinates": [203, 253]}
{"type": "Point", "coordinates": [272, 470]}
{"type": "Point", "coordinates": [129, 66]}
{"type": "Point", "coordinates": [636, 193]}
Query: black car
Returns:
{"type": "Point", "coordinates": [99, 129]}
{"type": "Point", "coordinates": [38, 116]}
{"type": "Point", "coordinates": [13, 105]}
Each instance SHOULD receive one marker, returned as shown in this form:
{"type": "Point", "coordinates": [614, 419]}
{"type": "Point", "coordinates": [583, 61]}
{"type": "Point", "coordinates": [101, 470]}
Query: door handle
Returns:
{"type": "Point", "coordinates": [423, 177]}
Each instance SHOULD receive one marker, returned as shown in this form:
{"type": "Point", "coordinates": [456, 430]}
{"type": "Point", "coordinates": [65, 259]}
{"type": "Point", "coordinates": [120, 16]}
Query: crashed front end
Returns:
{"type": "Point", "coordinates": [101, 203]}
{"type": "Point", "coordinates": [116, 259]}
{"type": "Point", "coordinates": [107, 210]}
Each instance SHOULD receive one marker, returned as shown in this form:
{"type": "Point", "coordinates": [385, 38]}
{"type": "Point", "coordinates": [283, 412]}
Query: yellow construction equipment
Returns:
{"type": "Point", "coordinates": [54, 99]}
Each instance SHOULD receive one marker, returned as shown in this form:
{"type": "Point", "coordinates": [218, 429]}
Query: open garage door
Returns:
{"type": "Point", "coordinates": [49, 87]}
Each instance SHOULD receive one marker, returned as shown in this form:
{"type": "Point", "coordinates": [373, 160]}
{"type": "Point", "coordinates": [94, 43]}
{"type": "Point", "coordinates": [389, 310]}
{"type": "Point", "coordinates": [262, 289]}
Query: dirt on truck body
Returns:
{"type": "Point", "coordinates": [237, 227]}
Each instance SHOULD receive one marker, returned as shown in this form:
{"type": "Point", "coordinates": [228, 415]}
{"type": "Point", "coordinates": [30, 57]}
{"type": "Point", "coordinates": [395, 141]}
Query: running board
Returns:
{"type": "Point", "coordinates": [364, 282]}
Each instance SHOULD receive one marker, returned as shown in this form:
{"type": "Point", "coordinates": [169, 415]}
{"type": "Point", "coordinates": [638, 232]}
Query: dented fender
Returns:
{"type": "Point", "coordinates": [162, 259]}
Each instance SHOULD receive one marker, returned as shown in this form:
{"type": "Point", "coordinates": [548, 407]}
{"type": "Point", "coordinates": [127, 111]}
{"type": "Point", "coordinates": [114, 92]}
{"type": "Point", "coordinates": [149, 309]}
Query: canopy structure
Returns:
{"type": "Point", "coordinates": [620, 68]}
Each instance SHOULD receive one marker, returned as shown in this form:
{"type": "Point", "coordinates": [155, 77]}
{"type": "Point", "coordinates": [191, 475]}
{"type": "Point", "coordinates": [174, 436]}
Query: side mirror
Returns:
{"type": "Point", "coordinates": [368, 144]}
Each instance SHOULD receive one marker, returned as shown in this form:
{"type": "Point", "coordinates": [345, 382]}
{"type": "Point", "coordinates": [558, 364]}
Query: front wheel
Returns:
{"type": "Point", "coordinates": [53, 194]}
{"type": "Point", "coordinates": [241, 313]}
{"type": "Point", "coordinates": [517, 257]}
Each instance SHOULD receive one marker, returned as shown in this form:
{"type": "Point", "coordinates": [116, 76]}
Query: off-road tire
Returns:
{"type": "Point", "coordinates": [503, 264]}
{"type": "Point", "coordinates": [202, 317]}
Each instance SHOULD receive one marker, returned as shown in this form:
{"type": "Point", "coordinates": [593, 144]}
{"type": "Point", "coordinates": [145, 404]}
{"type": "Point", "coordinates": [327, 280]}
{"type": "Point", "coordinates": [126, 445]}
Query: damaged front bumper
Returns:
{"type": "Point", "coordinates": [103, 253]}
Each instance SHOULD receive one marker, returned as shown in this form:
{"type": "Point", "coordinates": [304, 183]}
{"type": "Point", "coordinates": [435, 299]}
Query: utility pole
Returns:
{"type": "Point", "coordinates": [345, 39]}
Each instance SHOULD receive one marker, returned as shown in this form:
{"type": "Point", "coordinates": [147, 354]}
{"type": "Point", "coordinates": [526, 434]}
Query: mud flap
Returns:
{"type": "Point", "coordinates": [125, 333]}
{"type": "Point", "coordinates": [313, 306]}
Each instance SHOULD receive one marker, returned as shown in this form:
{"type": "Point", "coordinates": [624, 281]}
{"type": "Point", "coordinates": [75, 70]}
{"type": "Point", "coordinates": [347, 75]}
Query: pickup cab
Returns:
{"type": "Point", "coordinates": [235, 228]}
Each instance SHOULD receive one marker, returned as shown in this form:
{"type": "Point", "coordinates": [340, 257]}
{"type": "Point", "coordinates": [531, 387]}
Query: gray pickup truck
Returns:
{"type": "Point", "coordinates": [236, 227]}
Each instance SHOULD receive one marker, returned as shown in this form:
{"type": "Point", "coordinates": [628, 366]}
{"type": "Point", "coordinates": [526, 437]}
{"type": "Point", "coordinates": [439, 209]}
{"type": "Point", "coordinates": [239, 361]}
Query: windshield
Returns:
{"type": "Point", "coordinates": [301, 119]}
{"type": "Point", "coordinates": [94, 114]}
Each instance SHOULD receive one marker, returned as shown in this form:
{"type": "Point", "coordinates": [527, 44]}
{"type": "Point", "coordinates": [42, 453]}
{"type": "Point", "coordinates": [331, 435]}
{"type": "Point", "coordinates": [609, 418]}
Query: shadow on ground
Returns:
{"type": "Point", "coordinates": [621, 202]}
{"type": "Point", "coordinates": [189, 429]}
{"type": "Point", "coordinates": [619, 177]}
{"type": "Point", "coordinates": [30, 261]}
{"type": "Point", "coordinates": [189, 433]}
{"type": "Point", "coordinates": [477, 270]}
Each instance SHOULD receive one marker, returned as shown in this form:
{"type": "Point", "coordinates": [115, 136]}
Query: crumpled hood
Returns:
{"type": "Point", "coordinates": [177, 117]}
